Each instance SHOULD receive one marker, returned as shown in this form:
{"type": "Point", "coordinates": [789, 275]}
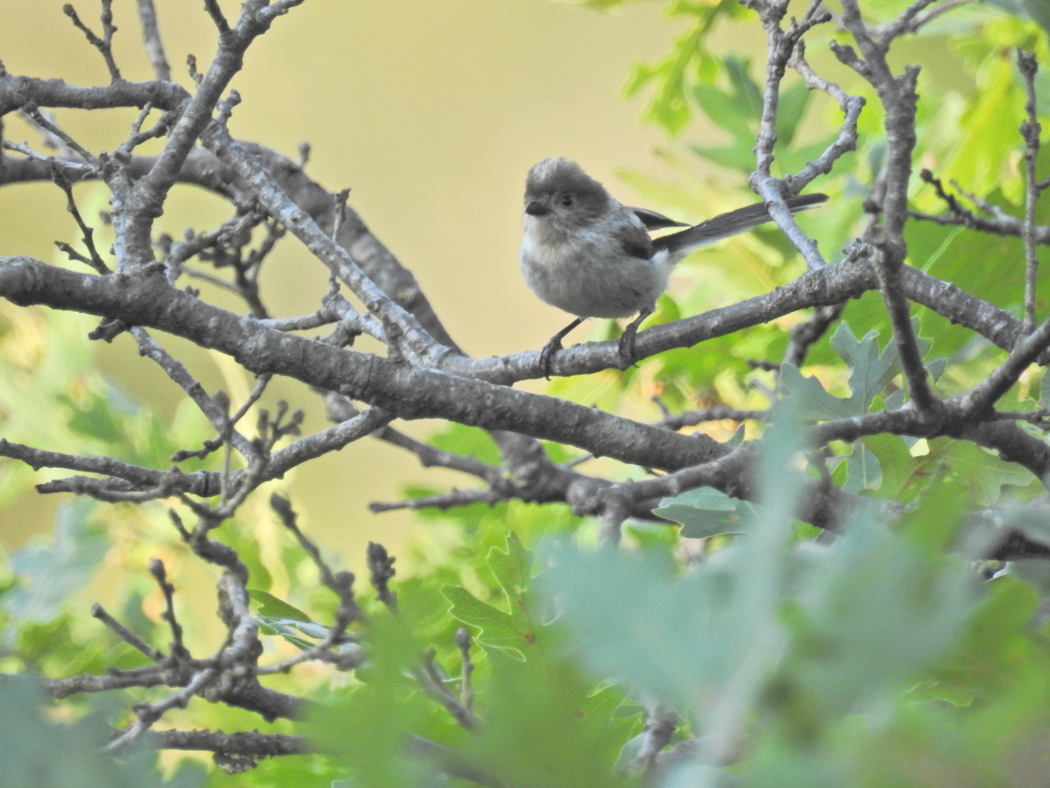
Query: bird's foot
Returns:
{"type": "Point", "coordinates": [547, 355]}
{"type": "Point", "coordinates": [627, 356]}
{"type": "Point", "coordinates": [626, 350]}
{"type": "Point", "coordinates": [553, 346]}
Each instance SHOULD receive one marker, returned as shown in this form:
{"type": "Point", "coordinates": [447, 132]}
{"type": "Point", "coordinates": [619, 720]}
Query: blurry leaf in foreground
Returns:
{"type": "Point", "coordinates": [874, 613]}
{"type": "Point", "coordinates": [369, 730]}
{"type": "Point", "coordinates": [38, 752]}
{"type": "Point", "coordinates": [547, 703]}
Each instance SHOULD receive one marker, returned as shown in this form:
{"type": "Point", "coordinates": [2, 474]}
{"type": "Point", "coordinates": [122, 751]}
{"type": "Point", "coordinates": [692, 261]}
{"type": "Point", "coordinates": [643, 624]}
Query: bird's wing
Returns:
{"type": "Point", "coordinates": [635, 240]}
{"type": "Point", "coordinates": [653, 220]}
{"type": "Point", "coordinates": [732, 223]}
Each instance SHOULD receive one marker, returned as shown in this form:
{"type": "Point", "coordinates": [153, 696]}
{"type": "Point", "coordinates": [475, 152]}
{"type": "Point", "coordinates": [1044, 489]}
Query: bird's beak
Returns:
{"type": "Point", "coordinates": [536, 208]}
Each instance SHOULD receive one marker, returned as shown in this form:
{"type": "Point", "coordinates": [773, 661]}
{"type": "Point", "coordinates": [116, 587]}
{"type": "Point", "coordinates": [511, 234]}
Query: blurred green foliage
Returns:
{"type": "Point", "coordinates": [40, 752]}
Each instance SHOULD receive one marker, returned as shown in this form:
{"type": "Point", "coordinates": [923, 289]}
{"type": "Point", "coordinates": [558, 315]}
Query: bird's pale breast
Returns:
{"type": "Point", "coordinates": [587, 276]}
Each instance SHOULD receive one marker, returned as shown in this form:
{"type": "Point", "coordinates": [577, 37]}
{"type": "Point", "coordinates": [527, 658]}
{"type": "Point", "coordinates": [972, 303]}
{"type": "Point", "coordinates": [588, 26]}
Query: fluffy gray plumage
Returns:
{"type": "Point", "coordinates": [584, 252]}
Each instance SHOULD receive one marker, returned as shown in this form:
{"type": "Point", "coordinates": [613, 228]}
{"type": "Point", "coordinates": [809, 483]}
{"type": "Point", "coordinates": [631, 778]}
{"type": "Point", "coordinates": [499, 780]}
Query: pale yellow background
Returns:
{"type": "Point", "coordinates": [430, 110]}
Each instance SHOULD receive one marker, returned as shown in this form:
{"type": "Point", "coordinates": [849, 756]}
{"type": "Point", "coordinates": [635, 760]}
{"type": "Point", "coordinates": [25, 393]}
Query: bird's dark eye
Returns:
{"type": "Point", "coordinates": [567, 201]}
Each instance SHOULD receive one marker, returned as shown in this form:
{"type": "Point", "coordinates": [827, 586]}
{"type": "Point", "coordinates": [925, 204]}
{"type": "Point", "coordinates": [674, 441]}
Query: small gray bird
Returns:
{"type": "Point", "coordinates": [584, 252]}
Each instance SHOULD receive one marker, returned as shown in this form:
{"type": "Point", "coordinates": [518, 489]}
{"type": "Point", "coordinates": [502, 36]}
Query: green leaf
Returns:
{"type": "Point", "coordinates": [368, 731]}
{"type": "Point", "coordinates": [727, 111]}
{"type": "Point", "coordinates": [512, 568]}
{"type": "Point", "coordinates": [870, 370]}
{"type": "Point", "coordinates": [1044, 389]}
{"type": "Point", "coordinates": [269, 605]}
{"type": "Point", "coordinates": [1036, 10]}
{"type": "Point", "coordinates": [40, 752]}
{"type": "Point", "coordinates": [688, 63]}
{"type": "Point", "coordinates": [983, 472]}
{"type": "Point", "coordinates": [96, 420]}
{"type": "Point", "coordinates": [738, 110]}
{"type": "Point", "coordinates": [472, 441]}
{"type": "Point", "coordinates": [863, 469]}
{"type": "Point", "coordinates": [277, 617]}
{"type": "Point", "coordinates": [780, 483]}
{"type": "Point", "coordinates": [876, 612]}
{"type": "Point", "coordinates": [48, 575]}
{"type": "Point", "coordinates": [1035, 572]}
{"type": "Point", "coordinates": [790, 110]}
{"type": "Point", "coordinates": [706, 512]}
{"type": "Point", "coordinates": [548, 704]}
{"type": "Point", "coordinates": [810, 398]}
{"type": "Point", "coordinates": [982, 147]}
{"type": "Point", "coordinates": [745, 90]}
{"type": "Point", "coordinates": [497, 629]}
{"type": "Point", "coordinates": [1032, 519]}
{"type": "Point", "coordinates": [628, 617]}
{"type": "Point", "coordinates": [686, 640]}
{"type": "Point", "coordinates": [739, 156]}
{"type": "Point", "coordinates": [896, 465]}
{"type": "Point", "coordinates": [509, 631]}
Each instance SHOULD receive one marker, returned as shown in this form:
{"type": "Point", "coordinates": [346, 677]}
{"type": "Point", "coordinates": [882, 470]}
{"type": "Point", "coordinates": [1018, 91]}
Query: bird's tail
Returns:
{"type": "Point", "coordinates": [739, 221]}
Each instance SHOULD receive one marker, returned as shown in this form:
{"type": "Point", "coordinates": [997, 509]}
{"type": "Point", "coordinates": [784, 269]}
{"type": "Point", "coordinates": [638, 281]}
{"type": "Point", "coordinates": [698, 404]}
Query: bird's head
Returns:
{"type": "Point", "coordinates": [559, 194]}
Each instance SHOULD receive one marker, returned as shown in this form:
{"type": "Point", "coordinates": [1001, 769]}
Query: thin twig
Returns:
{"type": "Point", "coordinates": [47, 139]}
{"type": "Point", "coordinates": [780, 45]}
{"type": "Point", "coordinates": [156, 569]}
{"type": "Point", "coordinates": [982, 397]}
{"type": "Point", "coordinates": [104, 44]}
{"type": "Point", "coordinates": [181, 376]}
{"type": "Point", "coordinates": [1040, 418]}
{"type": "Point", "coordinates": [381, 572]}
{"type": "Point", "coordinates": [661, 723]}
{"type": "Point", "coordinates": [87, 234]}
{"type": "Point", "coordinates": [617, 505]}
{"type": "Point", "coordinates": [914, 18]}
{"type": "Point", "coordinates": [444, 501]}
{"type": "Point", "coordinates": [215, 12]}
{"type": "Point", "coordinates": [340, 583]}
{"type": "Point", "coordinates": [899, 98]}
{"type": "Point", "coordinates": [152, 41]}
{"type": "Point", "coordinates": [148, 713]}
{"type": "Point", "coordinates": [1030, 131]}
{"type": "Point", "coordinates": [32, 111]}
{"type": "Point", "coordinates": [138, 136]}
{"type": "Point", "coordinates": [804, 335]}
{"type": "Point", "coordinates": [126, 634]}
{"type": "Point", "coordinates": [466, 693]}
{"type": "Point", "coordinates": [714, 413]}
{"type": "Point", "coordinates": [340, 212]}
{"type": "Point", "coordinates": [846, 140]}
{"type": "Point", "coordinates": [341, 409]}
{"type": "Point", "coordinates": [432, 679]}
